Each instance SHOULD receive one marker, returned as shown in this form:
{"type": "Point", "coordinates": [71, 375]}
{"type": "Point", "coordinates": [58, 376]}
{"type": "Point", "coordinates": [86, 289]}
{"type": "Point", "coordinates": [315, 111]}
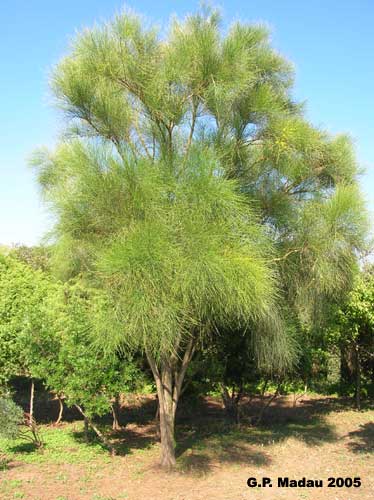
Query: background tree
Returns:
{"type": "Point", "coordinates": [354, 334]}
{"type": "Point", "coordinates": [22, 293]}
{"type": "Point", "coordinates": [227, 364]}
{"type": "Point", "coordinates": [71, 366]}
{"type": "Point", "coordinates": [36, 257]}
{"type": "Point", "coordinates": [172, 147]}
{"type": "Point", "coordinates": [46, 335]}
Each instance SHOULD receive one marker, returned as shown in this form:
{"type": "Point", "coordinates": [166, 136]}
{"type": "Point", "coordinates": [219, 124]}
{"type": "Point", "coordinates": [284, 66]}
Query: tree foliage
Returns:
{"type": "Point", "coordinates": [46, 334]}
{"type": "Point", "coordinates": [70, 364]}
{"type": "Point", "coordinates": [22, 293]}
{"type": "Point", "coordinates": [190, 189]}
{"type": "Point", "coordinates": [354, 333]}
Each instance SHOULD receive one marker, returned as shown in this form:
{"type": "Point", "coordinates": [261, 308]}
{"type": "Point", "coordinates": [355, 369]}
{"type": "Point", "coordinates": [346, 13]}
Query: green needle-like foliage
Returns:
{"type": "Point", "coordinates": [191, 190]}
{"type": "Point", "coordinates": [176, 254]}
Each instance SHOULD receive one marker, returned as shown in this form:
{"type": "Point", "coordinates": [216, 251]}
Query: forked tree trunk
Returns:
{"type": "Point", "coordinates": [259, 418]}
{"type": "Point", "coordinates": [169, 376]}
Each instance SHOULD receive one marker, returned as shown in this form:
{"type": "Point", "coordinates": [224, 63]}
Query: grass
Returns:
{"type": "Point", "coordinates": [9, 489]}
{"type": "Point", "coordinates": [62, 445]}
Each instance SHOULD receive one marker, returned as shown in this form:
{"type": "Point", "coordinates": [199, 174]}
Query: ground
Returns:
{"type": "Point", "coordinates": [319, 438]}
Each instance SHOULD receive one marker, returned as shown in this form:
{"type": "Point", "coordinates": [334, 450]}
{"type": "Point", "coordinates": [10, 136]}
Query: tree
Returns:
{"type": "Point", "coordinates": [354, 333]}
{"type": "Point", "coordinates": [22, 293]}
{"type": "Point", "coordinates": [71, 366]}
{"type": "Point", "coordinates": [36, 257]}
{"type": "Point", "coordinates": [186, 188]}
{"type": "Point", "coordinates": [228, 363]}
{"type": "Point", "coordinates": [45, 333]}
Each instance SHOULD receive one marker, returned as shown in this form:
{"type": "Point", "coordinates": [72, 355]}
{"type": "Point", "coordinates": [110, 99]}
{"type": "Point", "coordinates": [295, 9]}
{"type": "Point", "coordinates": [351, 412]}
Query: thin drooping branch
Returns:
{"type": "Point", "coordinates": [86, 116]}
{"type": "Point", "coordinates": [134, 89]}
{"type": "Point", "coordinates": [97, 431]}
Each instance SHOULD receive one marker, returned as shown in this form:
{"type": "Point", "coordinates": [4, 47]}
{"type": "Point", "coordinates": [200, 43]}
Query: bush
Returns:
{"type": "Point", "coordinates": [11, 417]}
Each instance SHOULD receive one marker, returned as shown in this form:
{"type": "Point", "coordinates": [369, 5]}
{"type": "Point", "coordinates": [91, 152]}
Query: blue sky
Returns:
{"type": "Point", "coordinates": [330, 42]}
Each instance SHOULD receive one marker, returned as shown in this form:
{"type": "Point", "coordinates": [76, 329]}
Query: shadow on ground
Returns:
{"type": "Point", "coordinates": [206, 439]}
{"type": "Point", "coordinates": [362, 440]}
{"type": "Point", "coordinates": [125, 441]}
{"type": "Point", "coordinates": [201, 446]}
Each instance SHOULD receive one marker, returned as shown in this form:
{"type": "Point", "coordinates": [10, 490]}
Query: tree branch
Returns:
{"type": "Point", "coordinates": [192, 129]}
{"type": "Point", "coordinates": [182, 372]}
{"type": "Point", "coordinates": [287, 254]}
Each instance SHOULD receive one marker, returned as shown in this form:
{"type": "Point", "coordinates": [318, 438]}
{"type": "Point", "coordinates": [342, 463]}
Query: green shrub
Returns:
{"type": "Point", "coordinates": [11, 417]}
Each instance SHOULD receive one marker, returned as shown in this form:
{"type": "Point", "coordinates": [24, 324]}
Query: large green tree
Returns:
{"type": "Point", "coordinates": [189, 188]}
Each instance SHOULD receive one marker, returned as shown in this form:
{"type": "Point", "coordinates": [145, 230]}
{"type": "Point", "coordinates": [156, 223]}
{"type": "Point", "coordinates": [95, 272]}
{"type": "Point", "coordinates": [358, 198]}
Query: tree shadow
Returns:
{"type": "Point", "coordinates": [124, 441]}
{"type": "Point", "coordinates": [140, 410]}
{"type": "Point", "coordinates": [362, 439]}
{"type": "Point", "coordinates": [206, 439]}
{"type": "Point", "coordinates": [199, 451]}
{"type": "Point", "coordinates": [24, 448]}
{"type": "Point", "coordinates": [327, 405]}
{"type": "Point", "coordinates": [201, 447]}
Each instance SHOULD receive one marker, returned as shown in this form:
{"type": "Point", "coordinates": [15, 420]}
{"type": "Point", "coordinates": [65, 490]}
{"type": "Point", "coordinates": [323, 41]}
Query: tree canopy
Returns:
{"type": "Point", "coordinates": [189, 187]}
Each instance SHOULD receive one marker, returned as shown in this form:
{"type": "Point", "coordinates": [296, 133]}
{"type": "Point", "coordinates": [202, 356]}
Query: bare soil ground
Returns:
{"type": "Point", "coordinates": [320, 438]}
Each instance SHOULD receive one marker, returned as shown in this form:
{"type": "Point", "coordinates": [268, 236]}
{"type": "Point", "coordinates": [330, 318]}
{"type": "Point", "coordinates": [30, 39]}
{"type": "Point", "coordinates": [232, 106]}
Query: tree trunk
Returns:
{"type": "Point", "coordinates": [232, 402]}
{"type": "Point", "coordinates": [169, 378]}
{"type": "Point", "coordinates": [259, 418]}
{"type": "Point", "coordinates": [60, 411]}
{"type": "Point", "coordinates": [346, 365]}
{"type": "Point", "coordinates": [358, 377]}
{"type": "Point", "coordinates": [167, 418]}
{"type": "Point", "coordinates": [116, 426]}
{"type": "Point", "coordinates": [32, 399]}
{"type": "Point", "coordinates": [157, 420]}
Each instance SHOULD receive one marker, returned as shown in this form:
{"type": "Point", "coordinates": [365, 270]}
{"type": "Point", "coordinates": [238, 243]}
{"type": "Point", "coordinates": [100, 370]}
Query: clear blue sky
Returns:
{"type": "Point", "coordinates": [331, 43]}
